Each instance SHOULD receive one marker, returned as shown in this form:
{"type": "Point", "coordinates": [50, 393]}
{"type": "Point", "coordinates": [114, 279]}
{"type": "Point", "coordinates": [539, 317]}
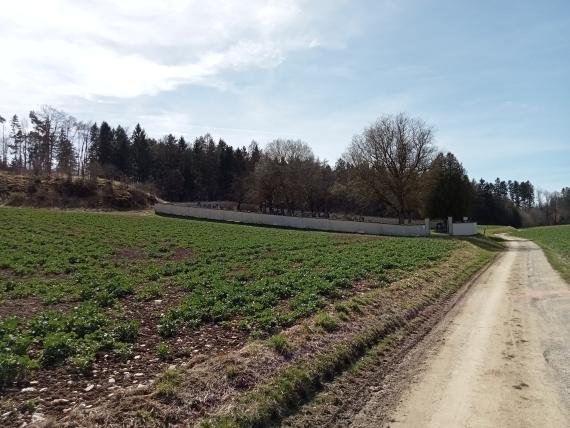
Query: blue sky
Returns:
{"type": "Point", "coordinates": [491, 77]}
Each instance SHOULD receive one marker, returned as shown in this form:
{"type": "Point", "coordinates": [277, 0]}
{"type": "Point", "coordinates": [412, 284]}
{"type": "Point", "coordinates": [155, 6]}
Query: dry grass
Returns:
{"type": "Point", "coordinates": [63, 192]}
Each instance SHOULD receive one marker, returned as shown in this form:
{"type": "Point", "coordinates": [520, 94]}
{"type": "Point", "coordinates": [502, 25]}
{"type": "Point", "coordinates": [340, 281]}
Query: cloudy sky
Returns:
{"type": "Point", "coordinates": [493, 78]}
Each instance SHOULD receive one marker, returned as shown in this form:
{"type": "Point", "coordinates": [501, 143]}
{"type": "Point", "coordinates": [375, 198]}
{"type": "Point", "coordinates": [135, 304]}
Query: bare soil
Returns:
{"type": "Point", "coordinates": [57, 391]}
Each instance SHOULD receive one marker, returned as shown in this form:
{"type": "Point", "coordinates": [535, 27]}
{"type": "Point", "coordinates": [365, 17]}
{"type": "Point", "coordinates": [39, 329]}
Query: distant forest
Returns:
{"type": "Point", "coordinates": [392, 168]}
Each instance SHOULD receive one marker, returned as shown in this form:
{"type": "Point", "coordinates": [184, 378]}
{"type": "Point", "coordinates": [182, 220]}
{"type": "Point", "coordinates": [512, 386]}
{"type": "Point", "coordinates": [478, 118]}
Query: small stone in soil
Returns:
{"type": "Point", "coordinates": [89, 387]}
{"type": "Point", "coordinates": [38, 417]}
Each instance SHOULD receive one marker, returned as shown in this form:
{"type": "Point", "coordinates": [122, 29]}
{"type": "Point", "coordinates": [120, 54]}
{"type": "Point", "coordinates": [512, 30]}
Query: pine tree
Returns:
{"type": "Point", "coordinates": [17, 145]}
{"type": "Point", "coordinates": [121, 151]}
{"type": "Point", "coordinates": [105, 145]}
{"type": "Point", "coordinates": [141, 155]}
{"type": "Point", "coordinates": [451, 192]}
{"type": "Point", "coordinates": [42, 142]}
{"type": "Point", "coordinates": [65, 155]}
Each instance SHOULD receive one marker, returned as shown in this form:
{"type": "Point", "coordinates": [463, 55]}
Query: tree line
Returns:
{"type": "Point", "coordinates": [392, 168]}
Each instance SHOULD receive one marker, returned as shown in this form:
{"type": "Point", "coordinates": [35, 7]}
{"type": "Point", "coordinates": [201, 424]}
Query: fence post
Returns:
{"type": "Point", "coordinates": [450, 225]}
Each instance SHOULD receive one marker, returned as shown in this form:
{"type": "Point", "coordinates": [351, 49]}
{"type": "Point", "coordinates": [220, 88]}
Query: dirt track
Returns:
{"type": "Point", "coordinates": [501, 357]}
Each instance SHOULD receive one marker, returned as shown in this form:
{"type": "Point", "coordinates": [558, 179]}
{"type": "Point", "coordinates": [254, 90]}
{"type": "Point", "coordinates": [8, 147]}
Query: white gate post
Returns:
{"type": "Point", "coordinates": [450, 225]}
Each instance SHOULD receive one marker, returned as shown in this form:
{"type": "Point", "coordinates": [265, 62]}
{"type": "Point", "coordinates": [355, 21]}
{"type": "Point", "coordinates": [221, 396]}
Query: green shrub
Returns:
{"type": "Point", "coordinates": [18, 344]}
{"type": "Point", "coordinates": [85, 319]}
{"type": "Point", "coordinates": [45, 323]}
{"type": "Point", "coordinates": [163, 350]}
{"type": "Point", "coordinates": [149, 292]}
{"type": "Point", "coordinates": [119, 289]}
{"type": "Point", "coordinates": [280, 344]}
{"type": "Point", "coordinates": [85, 351]}
{"type": "Point", "coordinates": [326, 322]}
{"type": "Point", "coordinates": [168, 326]}
{"type": "Point", "coordinates": [14, 368]}
{"type": "Point", "coordinates": [103, 291]}
{"type": "Point", "coordinates": [83, 362]}
{"type": "Point", "coordinates": [57, 347]}
{"type": "Point", "coordinates": [126, 331]}
{"type": "Point", "coordinates": [123, 351]}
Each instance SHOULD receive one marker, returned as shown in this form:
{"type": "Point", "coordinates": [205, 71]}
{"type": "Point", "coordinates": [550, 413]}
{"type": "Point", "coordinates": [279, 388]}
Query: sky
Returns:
{"type": "Point", "coordinates": [492, 78]}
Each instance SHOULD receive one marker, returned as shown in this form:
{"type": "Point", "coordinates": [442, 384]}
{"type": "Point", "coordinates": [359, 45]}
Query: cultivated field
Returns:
{"type": "Point", "coordinates": [555, 240]}
{"type": "Point", "coordinates": [96, 306]}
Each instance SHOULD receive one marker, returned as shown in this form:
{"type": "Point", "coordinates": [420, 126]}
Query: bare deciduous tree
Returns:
{"type": "Point", "coordinates": [390, 157]}
{"type": "Point", "coordinates": [4, 147]}
{"type": "Point", "coordinates": [290, 163]}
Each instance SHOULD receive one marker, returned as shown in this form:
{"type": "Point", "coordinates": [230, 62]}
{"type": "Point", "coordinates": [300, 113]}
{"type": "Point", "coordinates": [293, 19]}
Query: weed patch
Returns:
{"type": "Point", "coordinates": [280, 344]}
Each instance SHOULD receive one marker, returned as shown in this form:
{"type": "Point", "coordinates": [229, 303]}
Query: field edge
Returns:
{"type": "Point", "coordinates": [297, 385]}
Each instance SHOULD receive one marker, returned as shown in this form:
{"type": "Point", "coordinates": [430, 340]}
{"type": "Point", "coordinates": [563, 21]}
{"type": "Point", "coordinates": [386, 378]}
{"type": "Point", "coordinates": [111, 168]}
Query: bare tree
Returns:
{"type": "Point", "coordinates": [291, 169]}
{"type": "Point", "coordinates": [25, 143]}
{"type": "Point", "coordinates": [390, 158]}
{"type": "Point", "coordinates": [4, 153]}
{"type": "Point", "coordinates": [82, 145]}
{"type": "Point", "coordinates": [289, 151]}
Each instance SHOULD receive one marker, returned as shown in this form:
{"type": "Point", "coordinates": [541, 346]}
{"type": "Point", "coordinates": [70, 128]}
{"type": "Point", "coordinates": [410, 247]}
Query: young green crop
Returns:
{"type": "Point", "coordinates": [263, 278]}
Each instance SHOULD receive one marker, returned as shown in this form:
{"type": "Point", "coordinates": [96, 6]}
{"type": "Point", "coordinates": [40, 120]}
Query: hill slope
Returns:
{"type": "Point", "coordinates": [59, 192]}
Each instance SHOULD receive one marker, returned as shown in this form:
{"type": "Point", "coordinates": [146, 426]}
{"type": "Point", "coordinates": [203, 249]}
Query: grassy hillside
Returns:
{"type": "Point", "coordinates": [96, 302]}
{"type": "Point", "coordinates": [555, 240]}
{"type": "Point", "coordinates": [59, 192]}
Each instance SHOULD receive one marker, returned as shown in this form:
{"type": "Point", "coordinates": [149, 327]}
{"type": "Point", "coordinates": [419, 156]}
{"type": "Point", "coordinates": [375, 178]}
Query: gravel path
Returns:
{"type": "Point", "coordinates": [501, 357]}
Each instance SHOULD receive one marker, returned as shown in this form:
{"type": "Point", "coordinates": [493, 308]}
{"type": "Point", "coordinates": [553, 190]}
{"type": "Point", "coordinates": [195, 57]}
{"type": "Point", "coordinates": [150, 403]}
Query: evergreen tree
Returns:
{"type": "Point", "coordinates": [141, 156]}
{"type": "Point", "coordinates": [451, 193]}
{"type": "Point", "coordinates": [17, 145]}
{"type": "Point", "coordinates": [226, 174]}
{"type": "Point", "coordinates": [121, 151]}
{"type": "Point", "coordinates": [65, 155]}
{"type": "Point", "coordinates": [104, 150]}
{"type": "Point", "coordinates": [42, 141]}
{"type": "Point", "coordinates": [93, 143]}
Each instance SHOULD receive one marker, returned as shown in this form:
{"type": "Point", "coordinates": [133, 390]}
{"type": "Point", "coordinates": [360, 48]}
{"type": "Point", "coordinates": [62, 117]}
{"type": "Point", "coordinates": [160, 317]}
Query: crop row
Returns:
{"type": "Point", "coordinates": [262, 278]}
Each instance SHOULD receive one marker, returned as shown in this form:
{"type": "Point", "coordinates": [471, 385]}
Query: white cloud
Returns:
{"type": "Point", "coordinates": [106, 48]}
